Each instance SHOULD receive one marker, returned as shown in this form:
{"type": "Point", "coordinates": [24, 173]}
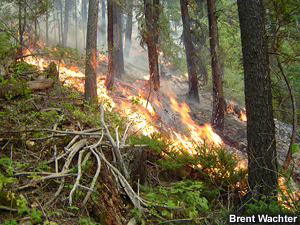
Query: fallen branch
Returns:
{"type": "Point", "coordinates": [114, 145]}
{"type": "Point", "coordinates": [52, 176]}
{"type": "Point", "coordinates": [79, 174]}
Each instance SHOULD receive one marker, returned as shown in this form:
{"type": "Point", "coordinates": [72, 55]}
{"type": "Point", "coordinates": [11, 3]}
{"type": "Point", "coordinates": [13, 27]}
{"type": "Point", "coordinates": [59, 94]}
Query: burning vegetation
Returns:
{"type": "Point", "coordinates": [140, 150]}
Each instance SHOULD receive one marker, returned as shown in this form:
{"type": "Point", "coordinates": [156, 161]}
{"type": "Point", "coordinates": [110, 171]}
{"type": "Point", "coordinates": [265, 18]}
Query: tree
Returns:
{"type": "Point", "coordinates": [128, 30]}
{"type": "Point", "coordinates": [84, 16]}
{"type": "Point", "coordinates": [90, 94]}
{"type": "Point", "coordinates": [262, 161]}
{"type": "Point", "coordinates": [22, 25]}
{"type": "Point", "coordinates": [150, 36]}
{"type": "Point", "coordinates": [111, 71]}
{"type": "Point", "coordinates": [189, 51]}
{"type": "Point", "coordinates": [118, 40]}
{"type": "Point", "coordinates": [68, 7]}
{"type": "Point", "coordinates": [217, 120]}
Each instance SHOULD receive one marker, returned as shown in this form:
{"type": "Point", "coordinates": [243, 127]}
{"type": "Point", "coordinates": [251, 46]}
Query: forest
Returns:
{"type": "Point", "coordinates": [149, 112]}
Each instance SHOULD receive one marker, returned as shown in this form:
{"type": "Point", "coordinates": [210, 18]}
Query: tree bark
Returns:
{"type": "Point", "coordinates": [262, 160]}
{"type": "Point", "coordinates": [61, 23]}
{"type": "Point", "coordinates": [103, 22]}
{"type": "Point", "coordinates": [76, 25]}
{"type": "Point", "coordinates": [118, 42]}
{"type": "Point", "coordinates": [217, 120]}
{"type": "Point", "coordinates": [90, 94]}
{"type": "Point", "coordinates": [128, 30]}
{"type": "Point", "coordinates": [150, 36]}
{"type": "Point", "coordinates": [22, 25]}
{"type": "Point", "coordinates": [189, 51]}
{"type": "Point", "coordinates": [111, 72]}
{"type": "Point", "coordinates": [68, 5]}
{"type": "Point", "coordinates": [84, 15]}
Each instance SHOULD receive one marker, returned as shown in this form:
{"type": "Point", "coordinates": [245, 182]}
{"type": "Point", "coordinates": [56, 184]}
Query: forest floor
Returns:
{"type": "Point", "coordinates": [27, 148]}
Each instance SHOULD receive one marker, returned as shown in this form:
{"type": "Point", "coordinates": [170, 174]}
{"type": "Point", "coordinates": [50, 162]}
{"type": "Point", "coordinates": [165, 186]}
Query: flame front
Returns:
{"type": "Point", "coordinates": [143, 114]}
{"type": "Point", "coordinates": [197, 134]}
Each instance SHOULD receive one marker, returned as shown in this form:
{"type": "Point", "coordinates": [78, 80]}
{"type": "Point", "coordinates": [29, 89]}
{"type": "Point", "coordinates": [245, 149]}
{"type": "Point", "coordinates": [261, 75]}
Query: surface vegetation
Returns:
{"type": "Point", "coordinates": [181, 188]}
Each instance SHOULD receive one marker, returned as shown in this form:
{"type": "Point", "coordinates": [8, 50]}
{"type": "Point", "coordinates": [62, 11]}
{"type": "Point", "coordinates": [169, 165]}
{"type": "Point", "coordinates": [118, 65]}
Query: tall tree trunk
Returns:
{"type": "Point", "coordinates": [118, 42]}
{"type": "Point", "coordinates": [200, 61]}
{"type": "Point", "coordinates": [217, 120]}
{"type": "Point", "coordinates": [91, 50]}
{"type": "Point", "coordinates": [262, 160]}
{"type": "Point", "coordinates": [102, 32]}
{"type": "Point", "coordinates": [61, 23]}
{"type": "Point", "coordinates": [128, 30]}
{"type": "Point", "coordinates": [189, 51]}
{"type": "Point", "coordinates": [68, 5]}
{"type": "Point", "coordinates": [103, 22]}
{"type": "Point", "coordinates": [47, 26]}
{"type": "Point", "coordinates": [76, 25]}
{"type": "Point", "coordinates": [150, 38]}
{"type": "Point", "coordinates": [84, 15]}
{"type": "Point", "coordinates": [21, 30]}
{"type": "Point", "coordinates": [111, 71]}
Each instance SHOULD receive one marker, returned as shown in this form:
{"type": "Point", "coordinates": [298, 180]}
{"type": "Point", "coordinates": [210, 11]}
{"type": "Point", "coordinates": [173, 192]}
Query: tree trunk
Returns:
{"type": "Point", "coordinates": [111, 72]}
{"type": "Point", "coordinates": [189, 51]}
{"type": "Point", "coordinates": [61, 23]}
{"type": "Point", "coordinates": [90, 94]}
{"type": "Point", "coordinates": [118, 42]}
{"type": "Point", "coordinates": [128, 30]}
{"type": "Point", "coordinates": [103, 22]}
{"type": "Point", "coordinates": [68, 5]}
{"type": "Point", "coordinates": [76, 25]}
{"type": "Point", "coordinates": [22, 25]}
{"type": "Point", "coordinates": [47, 26]}
{"type": "Point", "coordinates": [262, 160]}
{"type": "Point", "coordinates": [84, 15]}
{"type": "Point", "coordinates": [20, 32]}
{"type": "Point", "coordinates": [217, 120]}
{"type": "Point", "coordinates": [150, 38]}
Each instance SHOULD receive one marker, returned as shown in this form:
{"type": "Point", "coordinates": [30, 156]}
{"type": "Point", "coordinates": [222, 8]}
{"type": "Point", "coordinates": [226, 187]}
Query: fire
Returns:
{"type": "Point", "coordinates": [186, 75]}
{"type": "Point", "coordinates": [230, 107]}
{"type": "Point", "coordinates": [102, 57]}
{"type": "Point", "coordinates": [197, 133]}
{"type": "Point", "coordinates": [243, 116]}
{"type": "Point", "coordinates": [146, 77]}
{"type": "Point", "coordinates": [142, 114]}
{"type": "Point", "coordinates": [140, 118]}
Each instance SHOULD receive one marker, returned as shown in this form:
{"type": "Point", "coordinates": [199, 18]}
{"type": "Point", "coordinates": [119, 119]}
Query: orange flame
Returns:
{"type": "Point", "coordinates": [146, 77]}
{"type": "Point", "coordinates": [243, 116]}
{"type": "Point", "coordinates": [102, 58]}
{"type": "Point", "coordinates": [142, 114]}
{"type": "Point", "coordinates": [197, 133]}
{"type": "Point", "coordinates": [230, 107]}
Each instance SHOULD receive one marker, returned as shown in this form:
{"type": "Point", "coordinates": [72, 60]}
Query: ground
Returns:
{"type": "Point", "coordinates": [26, 150]}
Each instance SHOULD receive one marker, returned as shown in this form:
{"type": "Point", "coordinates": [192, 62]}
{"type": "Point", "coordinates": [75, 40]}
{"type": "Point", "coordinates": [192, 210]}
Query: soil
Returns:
{"type": "Point", "coordinates": [107, 206]}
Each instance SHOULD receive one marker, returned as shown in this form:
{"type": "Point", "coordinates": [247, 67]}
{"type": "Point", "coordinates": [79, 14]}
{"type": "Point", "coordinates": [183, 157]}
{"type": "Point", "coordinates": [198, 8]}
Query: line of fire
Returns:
{"type": "Point", "coordinates": [140, 112]}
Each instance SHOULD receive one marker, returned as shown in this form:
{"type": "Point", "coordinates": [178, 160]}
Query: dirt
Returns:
{"type": "Point", "coordinates": [107, 207]}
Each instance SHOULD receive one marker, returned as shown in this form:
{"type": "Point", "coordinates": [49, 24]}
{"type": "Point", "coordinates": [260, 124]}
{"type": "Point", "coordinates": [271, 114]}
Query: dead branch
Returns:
{"type": "Point", "coordinates": [95, 177]}
{"type": "Point", "coordinates": [79, 174]}
{"type": "Point", "coordinates": [74, 149]}
{"type": "Point", "coordinates": [125, 185]}
{"type": "Point", "coordinates": [113, 143]}
{"type": "Point", "coordinates": [52, 176]}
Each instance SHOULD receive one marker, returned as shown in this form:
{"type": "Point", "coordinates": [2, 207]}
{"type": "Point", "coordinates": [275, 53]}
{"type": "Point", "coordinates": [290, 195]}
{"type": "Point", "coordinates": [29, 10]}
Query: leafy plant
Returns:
{"type": "Point", "coordinates": [185, 194]}
{"type": "Point", "coordinates": [87, 221]}
{"type": "Point", "coordinates": [214, 164]}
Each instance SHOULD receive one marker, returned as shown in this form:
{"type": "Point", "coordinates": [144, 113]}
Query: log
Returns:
{"type": "Point", "coordinates": [39, 85]}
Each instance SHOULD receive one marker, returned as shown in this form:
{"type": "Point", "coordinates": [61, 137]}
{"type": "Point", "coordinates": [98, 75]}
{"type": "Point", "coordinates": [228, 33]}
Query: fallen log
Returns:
{"type": "Point", "coordinates": [39, 85]}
